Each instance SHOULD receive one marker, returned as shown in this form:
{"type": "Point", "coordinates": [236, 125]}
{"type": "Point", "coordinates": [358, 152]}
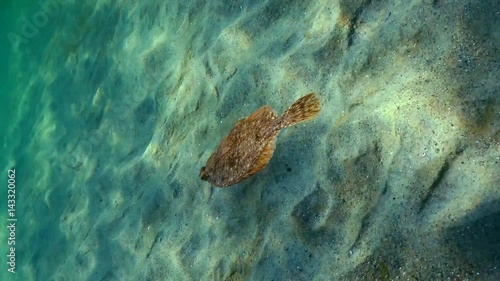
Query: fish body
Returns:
{"type": "Point", "coordinates": [250, 145]}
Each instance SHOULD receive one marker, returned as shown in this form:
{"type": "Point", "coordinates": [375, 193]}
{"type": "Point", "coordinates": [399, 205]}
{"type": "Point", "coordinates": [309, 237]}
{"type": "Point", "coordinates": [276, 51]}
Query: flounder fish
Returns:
{"type": "Point", "coordinates": [250, 145]}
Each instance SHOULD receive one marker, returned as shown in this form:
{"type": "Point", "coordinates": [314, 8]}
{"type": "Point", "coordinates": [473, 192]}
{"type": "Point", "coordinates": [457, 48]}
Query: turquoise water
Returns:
{"type": "Point", "coordinates": [111, 108]}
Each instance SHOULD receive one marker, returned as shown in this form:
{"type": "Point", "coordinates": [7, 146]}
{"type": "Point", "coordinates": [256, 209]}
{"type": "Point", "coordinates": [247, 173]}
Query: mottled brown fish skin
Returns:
{"type": "Point", "coordinates": [250, 145]}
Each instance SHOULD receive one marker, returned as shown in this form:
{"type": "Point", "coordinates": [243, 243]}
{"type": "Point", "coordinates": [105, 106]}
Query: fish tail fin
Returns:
{"type": "Point", "coordinates": [304, 109]}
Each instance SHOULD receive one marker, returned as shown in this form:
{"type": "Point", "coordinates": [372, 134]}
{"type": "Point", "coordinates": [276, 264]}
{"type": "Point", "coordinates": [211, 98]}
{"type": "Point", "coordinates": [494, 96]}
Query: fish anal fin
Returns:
{"type": "Point", "coordinates": [264, 157]}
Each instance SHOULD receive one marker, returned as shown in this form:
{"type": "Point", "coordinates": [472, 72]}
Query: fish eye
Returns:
{"type": "Point", "coordinates": [203, 175]}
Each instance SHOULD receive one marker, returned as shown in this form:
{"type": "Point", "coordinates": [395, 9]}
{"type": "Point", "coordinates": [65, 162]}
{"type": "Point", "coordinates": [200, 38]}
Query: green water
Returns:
{"type": "Point", "coordinates": [111, 108]}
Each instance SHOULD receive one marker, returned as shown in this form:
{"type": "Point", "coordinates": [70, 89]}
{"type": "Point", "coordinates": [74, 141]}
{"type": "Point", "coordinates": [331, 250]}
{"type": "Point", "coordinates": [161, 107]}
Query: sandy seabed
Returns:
{"type": "Point", "coordinates": [396, 179]}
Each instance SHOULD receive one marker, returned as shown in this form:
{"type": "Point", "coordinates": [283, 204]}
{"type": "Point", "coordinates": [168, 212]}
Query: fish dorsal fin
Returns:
{"type": "Point", "coordinates": [264, 157]}
{"type": "Point", "coordinates": [262, 120]}
{"type": "Point", "coordinates": [264, 112]}
{"type": "Point", "coordinates": [239, 122]}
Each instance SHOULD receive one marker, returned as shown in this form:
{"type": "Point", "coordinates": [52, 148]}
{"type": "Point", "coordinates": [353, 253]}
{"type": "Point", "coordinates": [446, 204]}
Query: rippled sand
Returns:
{"type": "Point", "coordinates": [396, 179]}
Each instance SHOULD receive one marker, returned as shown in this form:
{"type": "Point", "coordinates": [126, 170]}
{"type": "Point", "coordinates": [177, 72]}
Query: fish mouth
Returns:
{"type": "Point", "coordinates": [203, 175]}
